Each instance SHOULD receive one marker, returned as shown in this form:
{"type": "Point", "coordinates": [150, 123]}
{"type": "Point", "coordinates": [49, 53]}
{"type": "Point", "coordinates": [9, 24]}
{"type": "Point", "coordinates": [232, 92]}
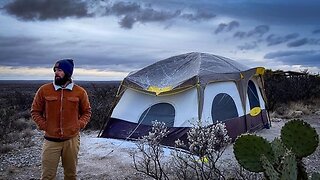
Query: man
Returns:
{"type": "Point", "coordinates": [61, 109]}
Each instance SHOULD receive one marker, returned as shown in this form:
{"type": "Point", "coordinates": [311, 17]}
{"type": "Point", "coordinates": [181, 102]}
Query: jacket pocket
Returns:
{"type": "Point", "coordinates": [73, 106]}
{"type": "Point", "coordinates": [51, 114]}
{"type": "Point", "coordinates": [51, 105]}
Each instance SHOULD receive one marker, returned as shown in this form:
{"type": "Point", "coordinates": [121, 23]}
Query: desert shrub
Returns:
{"type": "Point", "coordinates": [26, 136]}
{"type": "Point", "coordinates": [101, 99]}
{"type": "Point", "coordinates": [205, 147]}
{"type": "Point", "coordinates": [284, 87]}
{"type": "Point", "coordinates": [14, 113]}
{"type": "Point", "coordinates": [20, 124]}
{"type": "Point", "coordinates": [151, 162]}
{"type": "Point", "coordinates": [293, 110]}
{"type": "Point", "coordinates": [6, 121]}
{"type": "Point", "coordinates": [19, 99]}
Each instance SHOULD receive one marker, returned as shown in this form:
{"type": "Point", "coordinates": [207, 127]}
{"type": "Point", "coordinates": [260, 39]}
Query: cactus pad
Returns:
{"type": "Point", "coordinates": [299, 137]}
{"type": "Point", "coordinates": [248, 150]}
{"type": "Point", "coordinates": [289, 167]}
{"type": "Point", "coordinates": [279, 149]}
{"type": "Point", "coordinates": [269, 170]}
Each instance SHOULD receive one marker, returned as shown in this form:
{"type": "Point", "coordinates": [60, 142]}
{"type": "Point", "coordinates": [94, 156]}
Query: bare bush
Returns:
{"type": "Point", "coordinates": [151, 160]}
{"type": "Point", "coordinates": [205, 147]}
{"type": "Point", "coordinates": [26, 136]}
{"type": "Point", "coordinates": [101, 99]}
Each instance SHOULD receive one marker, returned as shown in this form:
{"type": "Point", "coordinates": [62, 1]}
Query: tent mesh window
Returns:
{"type": "Point", "coordinates": [162, 112]}
{"type": "Point", "coordinates": [223, 108]}
{"type": "Point", "coordinates": [253, 95]}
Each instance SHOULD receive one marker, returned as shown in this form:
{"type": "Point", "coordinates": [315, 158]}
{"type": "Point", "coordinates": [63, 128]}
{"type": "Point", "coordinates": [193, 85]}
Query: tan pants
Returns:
{"type": "Point", "coordinates": [51, 153]}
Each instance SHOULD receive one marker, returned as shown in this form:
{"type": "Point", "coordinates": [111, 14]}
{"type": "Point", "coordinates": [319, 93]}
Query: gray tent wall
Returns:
{"type": "Point", "coordinates": [192, 70]}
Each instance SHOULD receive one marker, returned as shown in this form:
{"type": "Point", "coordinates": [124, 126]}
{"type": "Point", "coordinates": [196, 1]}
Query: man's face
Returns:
{"type": "Point", "coordinates": [59, 77]}
{"type": "Point", "coordinates": [59, 74]}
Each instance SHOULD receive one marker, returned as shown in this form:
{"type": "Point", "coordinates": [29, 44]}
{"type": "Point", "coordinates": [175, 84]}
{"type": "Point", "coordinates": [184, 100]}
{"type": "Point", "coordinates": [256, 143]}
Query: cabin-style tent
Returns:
{"type": "Point", "coordinates": [184, 89]}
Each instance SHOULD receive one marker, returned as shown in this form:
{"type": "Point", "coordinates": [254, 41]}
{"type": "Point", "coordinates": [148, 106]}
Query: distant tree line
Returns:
{"type": "Point", "coordinates": [282, 87]}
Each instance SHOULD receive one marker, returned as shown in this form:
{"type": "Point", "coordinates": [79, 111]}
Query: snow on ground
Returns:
{"type": "Point", "coordinates": [110, 158]}
{"type": "Point", "coordinates": [103, 158]}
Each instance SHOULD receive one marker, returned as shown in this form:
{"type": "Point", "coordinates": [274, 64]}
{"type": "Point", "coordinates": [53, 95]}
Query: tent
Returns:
{"type": "Point", "coordinates": [184, 89]}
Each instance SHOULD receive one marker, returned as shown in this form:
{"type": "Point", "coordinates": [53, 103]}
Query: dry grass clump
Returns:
{"type": "Point", "coordinates": [16, 140]}
{"type": "Point", "coordinates": [296, 109]}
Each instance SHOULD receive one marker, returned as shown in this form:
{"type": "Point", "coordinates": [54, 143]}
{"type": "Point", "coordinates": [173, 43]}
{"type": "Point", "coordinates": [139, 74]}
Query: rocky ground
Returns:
{"type": "Point", "coordinates": [110, 159]}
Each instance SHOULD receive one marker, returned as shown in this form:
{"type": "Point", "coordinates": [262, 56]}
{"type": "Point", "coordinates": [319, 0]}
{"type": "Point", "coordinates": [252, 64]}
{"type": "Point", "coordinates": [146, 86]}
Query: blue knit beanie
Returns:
{"type": "Point", "coordinates": [66, 65]}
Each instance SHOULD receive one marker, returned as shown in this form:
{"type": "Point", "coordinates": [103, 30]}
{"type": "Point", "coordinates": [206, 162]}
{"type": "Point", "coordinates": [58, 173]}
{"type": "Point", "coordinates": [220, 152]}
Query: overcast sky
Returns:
{"type": "Point", "coordinates": [108, 39]}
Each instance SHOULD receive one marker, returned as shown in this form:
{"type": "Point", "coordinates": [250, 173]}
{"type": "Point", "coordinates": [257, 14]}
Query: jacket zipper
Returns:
{"type": "Point", "coordinates": [61, 99]}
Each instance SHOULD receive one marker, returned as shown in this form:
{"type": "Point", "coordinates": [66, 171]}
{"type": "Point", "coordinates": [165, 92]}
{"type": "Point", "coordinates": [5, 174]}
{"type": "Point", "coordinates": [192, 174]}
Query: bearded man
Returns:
{"type": "Point", "coordinates": [61, 109]}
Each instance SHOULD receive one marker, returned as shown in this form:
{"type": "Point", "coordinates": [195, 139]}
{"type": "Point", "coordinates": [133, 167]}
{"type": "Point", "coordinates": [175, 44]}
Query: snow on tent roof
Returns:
{"type": "Point", "coordinates": [183, 71]}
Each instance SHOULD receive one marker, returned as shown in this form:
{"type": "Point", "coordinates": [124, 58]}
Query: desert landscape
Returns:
{"type": "Point", "coordinates": [102, 158]}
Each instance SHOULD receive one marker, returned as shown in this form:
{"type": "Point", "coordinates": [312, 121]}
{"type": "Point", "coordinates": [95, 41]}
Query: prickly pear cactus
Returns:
{"type": "Point", "coordinates": [279, 149]}
{"type": "Point", "coordinates": [299, 137]}
{"type": "Point", "coordinates": [289, 167]}
{"type": "Point", "coordinates": [248, 150]}
{"type": "Point", "coordinates": [269, 170]}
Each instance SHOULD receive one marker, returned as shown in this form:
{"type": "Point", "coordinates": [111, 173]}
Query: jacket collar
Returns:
{"type": "Point", "coordinates": [69, 86]}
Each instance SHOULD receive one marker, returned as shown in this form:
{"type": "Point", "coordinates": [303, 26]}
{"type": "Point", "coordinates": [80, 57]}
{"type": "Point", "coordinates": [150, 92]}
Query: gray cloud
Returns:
{"type": "Point", "coordinates": [304, 41]}
{"type": "Point", "coordinates": [310, 58]}
{"type": "Point", "coordinates": [278, 12]}
{"type": "Point", "coordinates": [132, 12]}
{"type": "Point", "coordinates": [240, 34]}
{"type": "Point", "coordinates": [279, 54]}
{"type": "Point", "coordinates": [32, 52]}
{"type": "Point", "coordinates": [220, 28]}
{"type": "Point", "coordinates": [123, 8]}
{"type": "Point", "coordinates": [128, 13]}
{"type": "Point", "coordinates": [25, 51]}
{"type": "Point", "coordinates": [127, 22]}
{"type": "Point", "coordinates": [297, 43]}
{"type": "Point", "coordinates": [16, 41]}
{"type": "Point", "coordinates": [227, 27]}
{"type": "Point", "coordinates": [258, 31]}
{"type": "Point", "coordinates": [198, 16]}
{"type": "Point", "coordinates": [46, 9]}
{"type": "Point", "coordinates": [275, 40]}
{"type": "Point", "coordinates": [317, 31]}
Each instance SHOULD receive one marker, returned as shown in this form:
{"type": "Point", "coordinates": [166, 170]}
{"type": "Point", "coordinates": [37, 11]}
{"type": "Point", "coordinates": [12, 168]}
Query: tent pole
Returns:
{"type": "Point", "coordinates": [265, 99]}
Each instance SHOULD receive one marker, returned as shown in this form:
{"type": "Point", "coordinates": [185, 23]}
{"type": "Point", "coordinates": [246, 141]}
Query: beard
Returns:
{"type": "Point", "coordinates": [61, 81]}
